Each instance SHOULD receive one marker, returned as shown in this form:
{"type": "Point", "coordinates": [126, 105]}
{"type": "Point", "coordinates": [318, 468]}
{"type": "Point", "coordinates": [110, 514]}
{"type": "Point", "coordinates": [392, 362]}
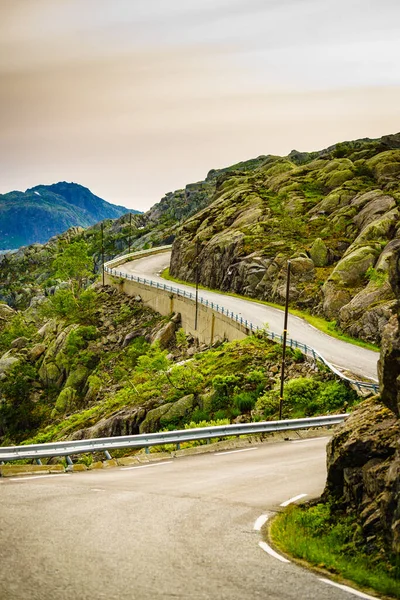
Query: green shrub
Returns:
{"type": "Point", "coordinates": [15, 328]}
{"type": "Point", "coordinates": [199, 415]}
{"type": "Point", "coordinates": [334, 395]}
{"type": "Point", "coordinates": [138, 347]}
{"type": "Point", "coordinates": [376, 275]}
{"type": "Point", "coordinates": [18, 412]}
{"type": "Point", "coordinates": [181, 340]}
{"type": "Point", "coordinates": [244, 402]}
{"type": "Point", "coordinates": [79, 338]}
{"type": "Point", "coordinates": [268, 403]}
{"type": "Point", "coordinates": [301, 394]}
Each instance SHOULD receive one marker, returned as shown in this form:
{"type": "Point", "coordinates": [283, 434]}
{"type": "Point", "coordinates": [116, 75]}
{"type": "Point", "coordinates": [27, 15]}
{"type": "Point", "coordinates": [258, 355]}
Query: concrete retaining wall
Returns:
{"type": "Point", "coordinates": [211, 325]}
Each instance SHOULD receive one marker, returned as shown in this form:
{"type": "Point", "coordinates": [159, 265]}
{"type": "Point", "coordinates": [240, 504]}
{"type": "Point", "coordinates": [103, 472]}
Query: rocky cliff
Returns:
{"type": "Point", "coordinates": [364, 455]}
{"type": "Point", "coordinates": [335, 214]}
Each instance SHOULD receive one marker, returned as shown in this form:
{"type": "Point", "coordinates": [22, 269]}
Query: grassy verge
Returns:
{"type": "Point", "coordinates": [323, 325]}
{"type": "Point", "coordinates": [328, 540]}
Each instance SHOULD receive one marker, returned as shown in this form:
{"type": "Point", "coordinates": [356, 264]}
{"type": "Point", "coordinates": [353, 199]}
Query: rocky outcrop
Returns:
{"type": "Point", "coordinates": [363, 456]}
{"type": "Point", "coordinates": [364, 472]}
{"type": "Point", "coordinates": [335, 217]}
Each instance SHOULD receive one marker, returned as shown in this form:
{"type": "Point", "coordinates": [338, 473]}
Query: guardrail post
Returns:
{"type": "Point", "coordinates": [69, 461]}
{"type": "Point", "coordinates": [178, 446]}
{"type": "Point", "coordinates": [147, 450]}
{"type": "Point", "coordinates": [38, 461]}
{"type": "Point", "coordinates": [107, 455]}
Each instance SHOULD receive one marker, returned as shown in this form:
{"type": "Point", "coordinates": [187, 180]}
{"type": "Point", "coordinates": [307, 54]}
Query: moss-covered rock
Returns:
{"type": "Point", "coordinates": [178, 411]}
{"type": "Point", "coordinates": [65, 401]}
{"type": "Point", "coordinates": [77, 377]}
{"type": "Point", "coordinates": [319, 253]}
{"type": "Point", "coordinates": [350, 271]}
{"type": "Point", "coordinates": [153, 417]}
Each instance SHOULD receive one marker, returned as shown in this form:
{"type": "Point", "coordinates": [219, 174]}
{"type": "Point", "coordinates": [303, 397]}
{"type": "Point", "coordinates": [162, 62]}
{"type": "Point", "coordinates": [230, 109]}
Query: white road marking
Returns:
{"type": "Point", "coordinates": [326, 437]}
{"type": "Point", "coordinates": [97, 490]}
{"type": "Point", "coordinates": [260, 522]}
{"type": "Point", "coordinates": [168, 462]}
{"type": "Point", "coordinates": [29, 477]}
{"type": "Point", "coordinates": [269, 550]}
{"type": "Point", "coordinates": [234, 451]}
{"type": "Point", "coordinates": [291, 500]}
{"type": "Point", "coordinates": [349, 589]}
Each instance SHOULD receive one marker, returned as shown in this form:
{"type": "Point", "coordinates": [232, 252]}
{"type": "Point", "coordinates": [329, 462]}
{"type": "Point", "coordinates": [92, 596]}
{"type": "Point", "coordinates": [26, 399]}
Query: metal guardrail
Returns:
{"type": "Point", "coordinates": [68, 448]}
{"type": "Point", "coordinates": [307, 350]}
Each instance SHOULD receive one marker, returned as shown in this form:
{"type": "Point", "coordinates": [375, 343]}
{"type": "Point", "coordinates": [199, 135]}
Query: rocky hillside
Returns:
{"type": "Point", "coordinates": [43, 211]}
{"type": "Point", "coordinates": [98, 363]}
{"type": "Point", "coordinates": [364, 455]}
{"type": "Point", "coordinates": [334, 213]}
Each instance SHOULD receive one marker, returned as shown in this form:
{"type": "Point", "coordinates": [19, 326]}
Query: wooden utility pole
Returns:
{"type": "Point", "coordinates": [102, 251]}
{"type": "Point", "coordinates": [197, 285]}
{"type": "Point", "coordinates": [284, 340]}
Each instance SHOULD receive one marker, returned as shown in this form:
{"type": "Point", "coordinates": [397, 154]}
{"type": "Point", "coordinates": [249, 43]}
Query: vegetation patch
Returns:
{"type": "Point", "coordinates": [330, 539]}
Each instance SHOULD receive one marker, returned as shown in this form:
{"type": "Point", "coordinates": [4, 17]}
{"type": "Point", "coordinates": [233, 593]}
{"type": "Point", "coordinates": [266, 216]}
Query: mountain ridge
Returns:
{"type": "Point", "coordinates": [39, 213]}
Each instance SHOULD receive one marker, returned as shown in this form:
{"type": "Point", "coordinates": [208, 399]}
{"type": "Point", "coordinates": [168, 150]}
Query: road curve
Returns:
{"type": "Point", "coordinates": [179, 529]}
{"type": "Point", "coordinates": [359, 361]}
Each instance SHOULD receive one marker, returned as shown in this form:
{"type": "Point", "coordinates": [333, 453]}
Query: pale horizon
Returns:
{"type": "Point", "coordinates": [134, 99]}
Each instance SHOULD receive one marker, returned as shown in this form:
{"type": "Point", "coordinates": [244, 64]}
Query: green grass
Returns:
{"type": "Point", "coordinates": [323, 325]}
{"type": "Point", "coordinates": [328, 540]}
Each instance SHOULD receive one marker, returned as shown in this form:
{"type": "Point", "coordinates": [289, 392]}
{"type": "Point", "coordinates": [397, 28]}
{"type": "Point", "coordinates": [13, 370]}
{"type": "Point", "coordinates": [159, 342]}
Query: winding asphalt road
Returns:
{"type": "Point", "coordinates": [178, 529]}
{"type": "Point", "coordinates": [359, 361]}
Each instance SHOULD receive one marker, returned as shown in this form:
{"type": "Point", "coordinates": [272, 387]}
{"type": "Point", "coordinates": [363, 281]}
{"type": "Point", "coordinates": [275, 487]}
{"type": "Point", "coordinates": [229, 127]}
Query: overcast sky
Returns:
{"type": "Point", "coordinates": [136, 98]}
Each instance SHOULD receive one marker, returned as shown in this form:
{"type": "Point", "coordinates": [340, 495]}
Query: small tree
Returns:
{"type": "Point", "coordinates": [74, 264]}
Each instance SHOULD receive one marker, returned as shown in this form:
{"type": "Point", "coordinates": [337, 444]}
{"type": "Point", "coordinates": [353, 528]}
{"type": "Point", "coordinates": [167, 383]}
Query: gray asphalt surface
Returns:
{"type": "Point", "coordinates": [182, 529]}
{"type": "Point", "coordinates": [357, 360]}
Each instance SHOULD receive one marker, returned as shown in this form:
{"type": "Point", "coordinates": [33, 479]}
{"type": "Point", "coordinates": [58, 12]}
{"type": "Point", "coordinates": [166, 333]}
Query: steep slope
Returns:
{"type": "Point", "coordinates": [335, 214]}
{"type": "Point", "coordinates": [46, 210]}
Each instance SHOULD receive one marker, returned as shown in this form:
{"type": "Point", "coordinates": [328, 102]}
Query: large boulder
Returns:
{"type": "Point", "coordinates": [363, 461]}
{"type": "Point", "coordinates": [166, 335]}
{"type": "Point", "coordinates": [319, 253]}
{"type": "Point", "coordinates": [6, 362]}
{"type": "Point", "coordinates": [363, 457]}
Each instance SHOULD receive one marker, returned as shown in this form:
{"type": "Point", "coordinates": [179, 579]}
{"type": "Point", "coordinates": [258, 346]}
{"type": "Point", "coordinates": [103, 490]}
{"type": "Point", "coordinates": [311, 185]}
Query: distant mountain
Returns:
{"type": "Point", "coordinates": [46, 210]}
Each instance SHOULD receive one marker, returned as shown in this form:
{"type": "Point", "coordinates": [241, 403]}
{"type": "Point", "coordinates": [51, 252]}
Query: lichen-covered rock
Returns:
{"type": "Point", "coordinates": [166, 335]}
{"type": "Point", "coordinates": [64, 402]}
{"type": "Point", "coordinates": [319, 253]}
{"type": "Point", "coordinates": [36, 352]}
{"type": "Point", "coordinates": [19, 343]}
{"type": "Point", "coordinates": [6, 313]}
{"type": "Point", "coordinates": [178, 410]}
{"type": "Point", "coordinates": [363, 462]}
{"type": "Point", "coordinates": [152, 421]}
{"type": "Point", "coordinates": [77, 377]}
{"type": "Point", "coordinates": [364, 454]}
{"type": "Point", "coordinates": [389, 362]}
{"type": "Point", "coordinates": [6, 362]}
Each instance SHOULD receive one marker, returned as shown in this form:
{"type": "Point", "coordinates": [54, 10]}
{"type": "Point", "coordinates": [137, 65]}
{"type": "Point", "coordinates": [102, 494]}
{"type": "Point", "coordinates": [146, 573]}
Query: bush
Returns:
{"type": "Point", "coordinates": [15, 328]}
{"type": "Point", "coordinates": [18, 412]}
{"type": "Point", "coordinates": [136, 348]}
{"type": "Point", "coordinates": [302, 394]}
{"type": "Point", "coordinates": [335, 395]}
{"type": "Point", "coordinates": [198, 416]}
{"type": "Point", "coordinates": [244, 401]}
{"type": "Point", "coordinates": [224, 386]}
{"type": "Point", "coordinates": [74, 308]}
{"type": "Point", "coordinates": [79, 338]}
{"type": "Point", "coordinates": [268, 403]}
